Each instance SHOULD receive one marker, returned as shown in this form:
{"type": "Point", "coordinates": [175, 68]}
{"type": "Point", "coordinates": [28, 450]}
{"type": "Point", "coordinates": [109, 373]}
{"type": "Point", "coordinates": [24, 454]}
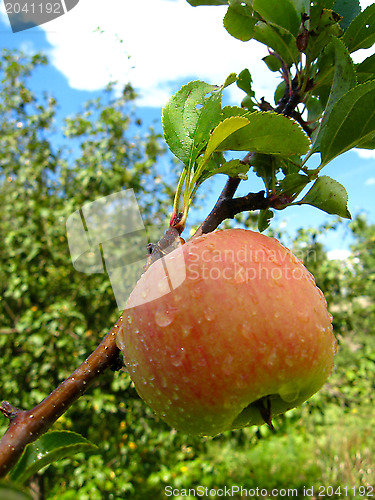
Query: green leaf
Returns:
{"type": "Point", "coordinates": [244, 82]}
{"type": "Point", "coordinates": [279, 92]}
{"type": "Point", "coordinates": [219, 134]}
{"type": "Point", "coordinates": [367, 144]}
{"type": "Point", "coordinates": [238, 25]}
{"type": "Point", "coordinates": [231, 78]}
{"type": "Point", "coordinates": [293, 184]}
{"type": "Point", "coordinates": [361, 31]}
{"type": "Point", "coordinates": [233, 168]}
{"type": "Point", "coordinates": [282, 14]}
{"type": "Point", "coordinates": [264, 219]}
{"type": "Point", "coordinates": [366, 69]}
{"type": "Point", "coordinates": [328, 195]}
{"type": "Point", "coordinates": [316, 11]}
{"type": "Point", "coordinates": [197, 3]}
{"type": "Point", "coordinates": [222, 132]}
{"type": "Point", "coordinates": [301, 6]}
{"type": "Point", "coordinates": [265, 167]}
{"type": "Point", "coordinates": [279, 39]}
{"type": "Point", "coordinates": [268, 133]}
{"type": "Point", "coordinates": [188, 118]}
{"type": "Point", "coordinates": [229, 111]}
{"type": "Point", "coordinates": [314, 108]}
{"type": "Point", "coordinates": [348, 9]}
{"type": "Point", "coordinates": [327, 27]}
{"type": "Point", "coordinates": [350, 122]}
{"type": "Point", "coordinates": [344, 79]}
{"type": "Point", "coordinates": [273, 63]}
{"type": "Point", "coordinates": [47, 449]}
{"type": "Point", "coordinates": [244, 7]}
{"type": "Point", "coordinates": [9, 491]}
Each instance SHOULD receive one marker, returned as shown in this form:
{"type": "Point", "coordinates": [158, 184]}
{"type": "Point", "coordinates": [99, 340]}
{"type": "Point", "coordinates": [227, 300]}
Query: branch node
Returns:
{"type": "Point", "coordinates": [10, 411]}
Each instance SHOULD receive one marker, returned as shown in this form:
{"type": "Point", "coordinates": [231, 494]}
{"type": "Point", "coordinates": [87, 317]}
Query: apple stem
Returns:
{"type": "Point", "coordinates": [265, 410]}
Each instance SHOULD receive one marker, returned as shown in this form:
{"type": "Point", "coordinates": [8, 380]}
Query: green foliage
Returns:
{"type": "Point", "coordinates": [310, 45]}
{"type": "Point", "coordinates": [349, 122]}
{"type": "Point", "coordinates": [52, 317]}
{"type": "Point", "coordinates": [47, 449]}
{"type": "Point", "coordinates": [361, 31]}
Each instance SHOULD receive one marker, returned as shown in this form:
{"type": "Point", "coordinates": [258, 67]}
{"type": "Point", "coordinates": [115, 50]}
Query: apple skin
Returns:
{"type": "Point", "coordinates": [245, 337]}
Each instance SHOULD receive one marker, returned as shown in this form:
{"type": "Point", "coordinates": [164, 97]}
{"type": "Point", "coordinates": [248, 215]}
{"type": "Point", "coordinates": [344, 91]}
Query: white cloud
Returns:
{"type": "Point", "coordinates": [338, 254]}
{"type": "Point", "coordinates": [366, 154]}
{"type": "Point", "coordinates": [166, 41]}
{"type": "Point", "coordinates": [370, 181]}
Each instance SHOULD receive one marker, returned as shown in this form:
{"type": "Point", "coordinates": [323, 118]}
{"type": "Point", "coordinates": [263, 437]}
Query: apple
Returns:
{"type": "Point", "coordinates": [226, 331]}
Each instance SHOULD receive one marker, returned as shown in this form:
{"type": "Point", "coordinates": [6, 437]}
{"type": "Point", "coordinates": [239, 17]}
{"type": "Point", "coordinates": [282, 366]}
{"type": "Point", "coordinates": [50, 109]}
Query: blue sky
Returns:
{"type": "Point", "coordinates": [159, 45]}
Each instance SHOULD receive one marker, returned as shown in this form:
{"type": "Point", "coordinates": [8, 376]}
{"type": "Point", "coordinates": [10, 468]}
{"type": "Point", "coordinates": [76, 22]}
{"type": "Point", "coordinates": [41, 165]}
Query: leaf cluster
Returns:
{"type": "Point", "coordinates": [324, 104]}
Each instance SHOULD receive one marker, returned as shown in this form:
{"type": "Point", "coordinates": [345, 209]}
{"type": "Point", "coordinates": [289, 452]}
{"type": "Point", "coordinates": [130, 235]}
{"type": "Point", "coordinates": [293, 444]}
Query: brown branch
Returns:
{"type": "Point", "coordinates": [27, 425]}
{"type": "Point", "coordinates": [227, 207]}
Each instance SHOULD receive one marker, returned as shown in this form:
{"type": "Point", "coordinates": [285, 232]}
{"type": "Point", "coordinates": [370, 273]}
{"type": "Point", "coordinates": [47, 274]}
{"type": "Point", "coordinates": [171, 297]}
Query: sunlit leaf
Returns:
{"type": "Point", "coordinates": [223, 131]}
{"type": "Point", "coordinates": [188, 118]}
{"type": "Point", "coordinates": [268, 133]}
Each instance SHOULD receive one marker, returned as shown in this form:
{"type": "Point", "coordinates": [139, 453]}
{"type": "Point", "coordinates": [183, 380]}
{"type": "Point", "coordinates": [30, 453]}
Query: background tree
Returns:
{"type": "Point", "coordinates": [43, 298]}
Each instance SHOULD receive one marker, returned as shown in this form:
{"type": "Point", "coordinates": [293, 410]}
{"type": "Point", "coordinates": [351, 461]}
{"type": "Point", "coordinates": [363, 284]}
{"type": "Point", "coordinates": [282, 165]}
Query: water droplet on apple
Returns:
{"type": "Point", "coordinates": [130, 319]}
{"type": "Point", "coordinates": [272, 358]}
{"type": "Point", "coordinates": [303, 317]}
{"type": "Point", "coordinates": [245, 329]}
{"type": "Point", "coordinates": [289, 360]}
{"type": "Point", "coordinates": [186, 329]}
{"type": "Point", "coordinates": [289, 392]}
{"type": "Point", "coordinates": [202, 361]}
{"type": "Point", "coordinates": [163, 381]}
{"type": "Point", "coordinates": [164, 315]}
{"type": "Point", "coordinates": [196, 291]}
{"type": "Point", "coordinates": [177, 359]}
{"type": "Point", "coordinates": [210, 314]}
{"type": "Point", "coordinates": [163, 286]}
{"type": "Point", "coordinates": [228, 364]}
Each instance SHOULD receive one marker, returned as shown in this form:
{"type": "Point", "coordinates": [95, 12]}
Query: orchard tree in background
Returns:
{"type": "Point", "coordinates": [324, 105]}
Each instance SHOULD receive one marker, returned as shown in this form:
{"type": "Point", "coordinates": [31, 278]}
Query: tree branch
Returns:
{"type": "Point", "coordinates": [27, 425]}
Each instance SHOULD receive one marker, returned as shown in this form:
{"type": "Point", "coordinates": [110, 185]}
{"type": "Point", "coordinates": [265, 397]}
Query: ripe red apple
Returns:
{"type": "Point", "coordinates": [244, 337]}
